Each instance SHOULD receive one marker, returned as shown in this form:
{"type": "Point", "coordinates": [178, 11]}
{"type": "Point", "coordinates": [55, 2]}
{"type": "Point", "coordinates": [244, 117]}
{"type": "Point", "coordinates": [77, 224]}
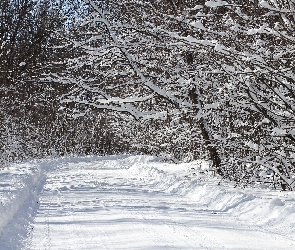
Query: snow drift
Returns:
{"type": "Point", "coordinates": [271, 211]}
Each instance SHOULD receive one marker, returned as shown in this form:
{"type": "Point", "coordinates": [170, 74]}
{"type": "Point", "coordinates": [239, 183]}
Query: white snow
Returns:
{"type": "Point", "coordinates": [198, 24]}
{"type": "Point", "coordinates": [217, 3]}
{"type": "Point", "coordinates": [279, 131]}
{"type": "Point", "coordinates": [253, 145]}
{"type": "Point", "coordinates": [136, 202]}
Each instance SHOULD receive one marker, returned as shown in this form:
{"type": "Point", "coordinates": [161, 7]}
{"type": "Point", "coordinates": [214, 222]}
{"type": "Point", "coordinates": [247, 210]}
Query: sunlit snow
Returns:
{"type": "Point", "coordinates": [136, 202]}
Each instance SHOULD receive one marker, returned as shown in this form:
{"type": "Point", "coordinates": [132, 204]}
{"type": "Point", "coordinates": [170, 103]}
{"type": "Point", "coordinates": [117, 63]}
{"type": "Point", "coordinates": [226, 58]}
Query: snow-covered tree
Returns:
{"type": "Point", "coordinates": [226, 65]}
{"type": "Point", "coordinates": [177, 78]}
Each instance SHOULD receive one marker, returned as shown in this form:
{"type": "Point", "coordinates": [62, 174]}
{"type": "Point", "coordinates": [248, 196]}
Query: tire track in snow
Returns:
{"type": "Point", "coordinates": [156, 178]}
{"type": "Point", "coordinates": [55, 202]}
{"type": "Point", "coordinates": [112, 205]}
{"type": "Point", "coordinates": [181, 232]}
{"type": "Point", "coordinates": [177, 231]}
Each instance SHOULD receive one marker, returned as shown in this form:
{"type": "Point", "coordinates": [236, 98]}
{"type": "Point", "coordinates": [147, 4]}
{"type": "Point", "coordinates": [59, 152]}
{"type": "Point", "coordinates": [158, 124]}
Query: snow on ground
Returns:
{"type": "Point", "coordinates": [136, 202]}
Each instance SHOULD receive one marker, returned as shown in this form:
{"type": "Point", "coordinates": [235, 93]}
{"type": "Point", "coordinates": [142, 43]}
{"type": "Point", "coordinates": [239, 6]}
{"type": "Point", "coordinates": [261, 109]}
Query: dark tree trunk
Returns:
{"type": "Point", "coordinates": [214, 156]}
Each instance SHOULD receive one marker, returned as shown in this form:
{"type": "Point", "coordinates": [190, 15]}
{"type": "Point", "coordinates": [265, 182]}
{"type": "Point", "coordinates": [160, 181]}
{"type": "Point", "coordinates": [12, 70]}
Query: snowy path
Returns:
{"type": "Point", "coordinates": [119, 204]}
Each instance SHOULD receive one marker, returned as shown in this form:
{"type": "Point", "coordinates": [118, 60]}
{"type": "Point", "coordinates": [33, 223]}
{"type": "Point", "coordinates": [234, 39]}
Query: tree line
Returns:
{"type": "Point", "coordinates": [177, 78]}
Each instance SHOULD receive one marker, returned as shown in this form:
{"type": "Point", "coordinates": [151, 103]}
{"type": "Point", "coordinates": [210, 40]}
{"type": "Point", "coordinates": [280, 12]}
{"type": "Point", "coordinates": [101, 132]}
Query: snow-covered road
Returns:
{"type": "Point", "coordinates": [129, 203]}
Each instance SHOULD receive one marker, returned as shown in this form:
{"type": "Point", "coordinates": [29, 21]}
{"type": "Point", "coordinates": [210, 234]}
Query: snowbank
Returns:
{"type": "Point", "coordinates": [21, 183]}
{"type": "Point", "coordinates": [270, 210]}
{"type": "Point", "coordinates": [17, 184]}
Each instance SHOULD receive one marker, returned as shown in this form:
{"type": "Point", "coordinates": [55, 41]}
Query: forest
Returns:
{"type": "Point", "coordinates": [179, 79]}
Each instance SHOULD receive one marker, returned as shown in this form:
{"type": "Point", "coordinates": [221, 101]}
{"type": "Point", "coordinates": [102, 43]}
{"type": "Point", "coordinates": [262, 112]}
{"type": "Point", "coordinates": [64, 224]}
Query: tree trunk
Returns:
{"type": "Point", "coordinates": [214, 156]}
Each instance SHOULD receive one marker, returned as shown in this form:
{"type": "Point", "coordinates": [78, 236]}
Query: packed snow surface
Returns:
{"type": "Point", "coordinates": [136, 202]}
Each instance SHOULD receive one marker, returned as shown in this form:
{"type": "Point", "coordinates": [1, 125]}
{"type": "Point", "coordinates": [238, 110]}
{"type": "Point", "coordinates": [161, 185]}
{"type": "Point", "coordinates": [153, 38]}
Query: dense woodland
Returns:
{"type": "Point", "coordinates": [180, 79]}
